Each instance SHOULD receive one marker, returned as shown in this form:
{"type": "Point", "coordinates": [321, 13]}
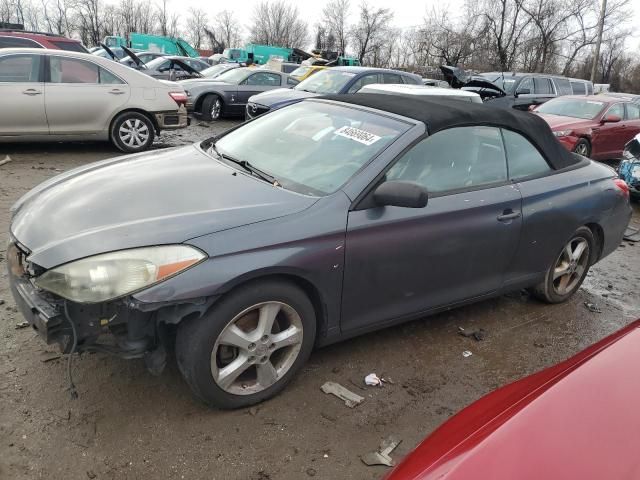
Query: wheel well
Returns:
{"type": "Point", "coordinates": [307, 287]}
{"type": "Point", "coordinates": [137, 110]}
{"type": "Point", "coordinates": [197, 107]}
{"type": "Point", "coordinates": [598, 234]}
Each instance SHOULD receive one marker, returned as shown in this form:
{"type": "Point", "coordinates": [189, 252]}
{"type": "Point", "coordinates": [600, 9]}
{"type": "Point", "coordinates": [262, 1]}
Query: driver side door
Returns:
{"type": "Point", "coordinates": [400, 262]}
{"type": "Point", "coordinates": [257, 83]}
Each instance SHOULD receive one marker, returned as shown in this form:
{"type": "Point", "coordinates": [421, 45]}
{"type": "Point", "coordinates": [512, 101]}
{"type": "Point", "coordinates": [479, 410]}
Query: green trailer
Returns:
{"type": "Point", "coordinates": [153, 43]}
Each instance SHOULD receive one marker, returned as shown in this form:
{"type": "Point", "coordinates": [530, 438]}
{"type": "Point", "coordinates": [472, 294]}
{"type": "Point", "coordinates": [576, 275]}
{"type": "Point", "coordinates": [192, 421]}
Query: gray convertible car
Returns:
{"type": "Point", "coordinates": [229, 92]}
{"type": "Point", "coordinates": [311, 224]}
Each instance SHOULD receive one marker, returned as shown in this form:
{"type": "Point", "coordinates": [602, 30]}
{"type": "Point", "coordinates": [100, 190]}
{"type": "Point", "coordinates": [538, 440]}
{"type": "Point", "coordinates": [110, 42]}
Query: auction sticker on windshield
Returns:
{"type": "Point", "coordinates": [358, 135]}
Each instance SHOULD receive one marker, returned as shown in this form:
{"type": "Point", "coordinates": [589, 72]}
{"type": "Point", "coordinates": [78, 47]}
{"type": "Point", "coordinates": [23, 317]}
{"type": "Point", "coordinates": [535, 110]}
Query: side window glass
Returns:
{"type": "Point", "coordinates": [563, 86]}
{"type": "Point", "coordinates": [391, 78]}
{"type": "Point", "coordinates": [633, 111]}
{"type": "Point", "coordinates": [578, 88]}
{"type": "Point", "coordinates": [524, 159]}
{"type": "Point", "coordinates": [109, 78]}
{"type": "Point", "coordinates": [292, 81]}
{"type": "Point", "coordinates": [14, 42]}
{"type": "Point", "coordinates": [525, 87]}
{"type": "Point", "coordinates": [71, 70]}
{"type": "Point", "coordinates": [265, 79]}
{"type": "Point", "coordinates": [362, 81]}
{"type": "Point", "coordinates": [542, 86]}
{"type": "Point", "coordinates": [454, 159]}
{"type": "Point", "coordinates": [617, 109]}
{"type": "Point", "coordinates": [20, 68]}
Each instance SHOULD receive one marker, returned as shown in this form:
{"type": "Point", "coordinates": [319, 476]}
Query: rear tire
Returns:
{"type": "Point", "coordinates": [263, 330]}
{"type": "Point", "coordinates": [569, 269]}
{"type": "Point", "coordinates": [132, 132]}
{"type": "Point", "coordinates": [583, 147]}
{"type": "Point", "coordinates": [212, 108]}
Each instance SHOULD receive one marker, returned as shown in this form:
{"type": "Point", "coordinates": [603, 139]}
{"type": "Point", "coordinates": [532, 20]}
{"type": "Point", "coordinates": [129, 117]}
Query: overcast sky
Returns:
{"type": "Point", "coordinates": [407, 13]}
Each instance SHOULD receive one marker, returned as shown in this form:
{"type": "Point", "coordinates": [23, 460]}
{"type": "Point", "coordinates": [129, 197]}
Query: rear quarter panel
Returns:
{"type": "Point", "coordinates": [555, 206]}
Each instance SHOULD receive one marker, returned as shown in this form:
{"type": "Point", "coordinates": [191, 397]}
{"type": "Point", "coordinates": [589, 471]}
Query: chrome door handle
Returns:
{"type": "Point", "coordinates": [32, 91]}
{"type": "Point", "coordinates": [116, 92]}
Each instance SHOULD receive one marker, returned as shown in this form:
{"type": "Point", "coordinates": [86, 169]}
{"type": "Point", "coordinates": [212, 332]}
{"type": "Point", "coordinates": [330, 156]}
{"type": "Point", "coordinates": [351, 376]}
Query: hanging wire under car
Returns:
{"type": "Point", "coordinates": [72, 387]}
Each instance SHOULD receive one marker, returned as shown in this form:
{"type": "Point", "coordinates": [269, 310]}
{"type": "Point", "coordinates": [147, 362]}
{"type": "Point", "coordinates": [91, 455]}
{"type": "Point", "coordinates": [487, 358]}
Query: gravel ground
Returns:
{"type": "Point", "coordinates": [129, 424]}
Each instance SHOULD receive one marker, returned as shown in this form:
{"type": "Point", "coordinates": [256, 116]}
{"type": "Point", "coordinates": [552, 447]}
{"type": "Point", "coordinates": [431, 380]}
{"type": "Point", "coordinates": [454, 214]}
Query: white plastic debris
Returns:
{"type": "Point", "coordinates": [350, 399]}
{"type": "Point", "coordinates": [373, 380]}
{"type": "Point", "coordinates": [466, 353]}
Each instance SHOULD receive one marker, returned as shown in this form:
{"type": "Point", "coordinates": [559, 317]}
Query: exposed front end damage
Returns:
{"type": "Point", "coordinates": [123, 327]}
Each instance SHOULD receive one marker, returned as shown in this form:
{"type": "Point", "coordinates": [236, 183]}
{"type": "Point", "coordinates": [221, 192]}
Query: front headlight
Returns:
{"type": "Point", "coordinates": [112, 275]}
{"type": "Point", "coordinates": [562, 133]}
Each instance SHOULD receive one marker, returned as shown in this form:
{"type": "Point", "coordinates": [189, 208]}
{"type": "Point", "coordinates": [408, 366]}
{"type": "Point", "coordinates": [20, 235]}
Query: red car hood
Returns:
{"type": "Point", "coordinates": [558, 122]}
{"type": "Point", "coordinates": [578, 419]}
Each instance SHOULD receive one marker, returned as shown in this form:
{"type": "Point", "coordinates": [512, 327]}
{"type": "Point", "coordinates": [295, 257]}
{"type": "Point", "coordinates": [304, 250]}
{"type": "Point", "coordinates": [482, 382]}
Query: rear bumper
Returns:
{"type": "Point", "coordinates": [172, 120]}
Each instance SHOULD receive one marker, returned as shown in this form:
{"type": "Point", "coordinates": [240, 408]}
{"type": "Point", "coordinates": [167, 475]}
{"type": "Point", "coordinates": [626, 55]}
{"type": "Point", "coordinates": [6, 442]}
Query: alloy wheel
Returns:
{"type": "Point", "coordinates": [215, 109]}
{"type": "Point", "coordinates": [257, 348]}
{"type": "Point", "coordinates": [582, 149]}
{"type": "Point", "coordinates": [570, 266]}
{"type": "Point", "coordinates": [134, 133]}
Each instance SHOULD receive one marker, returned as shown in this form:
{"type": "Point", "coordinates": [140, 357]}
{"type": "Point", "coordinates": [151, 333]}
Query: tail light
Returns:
{"type": "Point", "coordinates": [179, 97]}
{"type": "Point", "coordinates": [622, 185]}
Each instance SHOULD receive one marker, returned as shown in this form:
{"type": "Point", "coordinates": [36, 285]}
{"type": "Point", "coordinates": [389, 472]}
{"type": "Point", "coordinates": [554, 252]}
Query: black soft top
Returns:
{"type": "Point", "coordinates": [440, 114]}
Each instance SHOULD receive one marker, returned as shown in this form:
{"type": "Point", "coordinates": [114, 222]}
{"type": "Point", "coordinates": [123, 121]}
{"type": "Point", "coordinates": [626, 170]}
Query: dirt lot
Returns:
{"type": "Point", "coordinates": [129, 424]}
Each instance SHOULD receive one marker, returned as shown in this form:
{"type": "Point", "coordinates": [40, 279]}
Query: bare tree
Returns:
{"type": "Point", "coordinates": [371, 33]}
{"type": "Point", "coordinates": [227, 29]}
{"type": "Point", "coordinates": [163, 18]}
{"type": "Point", "coordinates": [335, 16]}
{"type": "Point", "coordinates": [196, 24]}
{"type": "Point", "coordinates": [88, 15]}
{"type": "Point", "coordinates": [276, 22]}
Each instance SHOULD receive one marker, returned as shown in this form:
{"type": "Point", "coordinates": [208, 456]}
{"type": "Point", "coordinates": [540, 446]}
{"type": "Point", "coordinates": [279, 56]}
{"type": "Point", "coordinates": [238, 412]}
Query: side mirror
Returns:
{"type": "Point", "coordinates": [611, 119]}
{"type": "Point", "coordinates": [396, 193]}
{"type": "Point", "coordinates": [523, 91]}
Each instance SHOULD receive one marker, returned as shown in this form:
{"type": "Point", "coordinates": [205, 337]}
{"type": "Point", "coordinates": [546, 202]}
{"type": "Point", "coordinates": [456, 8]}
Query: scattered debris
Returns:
{"type": "Point", "coordinates": [21, 325]}
{"type": "Point", "coordinates": [538, 344]}
{"type": "Point", "coordinates": [328, 416]}
{"type": "Point", "coordinates": [50, 359]}
{"type": "Point", "coordinates": [253, 411]}
{"type": "Point", "coordinates": [91, 474]}
{"type": "Point", "coordinates": [351, 400]}
{"type": "Point", "coordinates": [592, 307]}
{"type": "Point", "coordinates": [466, 353]}
{"type": "Point", "coordinates": [6, 160]}
{"type": "Point", "coordinates": [1, 301]}
{"type": "Point", "coordinates": [373, 380]}
{"type": "Point", "coordinates": [477, 335]}
{"type": "Point", "coordinates": [632, 234]}
{"type": "Point", "coordinates": [311, 472]}
{"type": "Point", "coordinates": [382, 455]}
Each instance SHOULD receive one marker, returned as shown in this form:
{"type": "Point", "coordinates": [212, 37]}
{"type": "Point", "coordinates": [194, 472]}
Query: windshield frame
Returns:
{"type": "Point", "coordinates": [404, 138]}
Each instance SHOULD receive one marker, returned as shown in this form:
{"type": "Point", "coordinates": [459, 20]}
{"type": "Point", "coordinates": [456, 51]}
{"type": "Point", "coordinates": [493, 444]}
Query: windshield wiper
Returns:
{"type": "Point", "coordinates": [247, 166]}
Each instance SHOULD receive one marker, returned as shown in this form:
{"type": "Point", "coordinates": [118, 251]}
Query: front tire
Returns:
{"type": "Point", "coordinates": [569, 269]}
{"type": "Point", "coordinates": [132, 132]}
{"type": "Point", "coordinates": [212, 107]}
{"type": "Point", "coordinates": [583, 147]}
{"type": "Point", "coordinates": [248, 346]}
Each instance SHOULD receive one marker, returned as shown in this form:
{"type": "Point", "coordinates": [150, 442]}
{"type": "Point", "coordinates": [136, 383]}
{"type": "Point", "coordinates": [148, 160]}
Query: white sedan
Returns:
{"type": "Point", "coordinates": [55, 95]}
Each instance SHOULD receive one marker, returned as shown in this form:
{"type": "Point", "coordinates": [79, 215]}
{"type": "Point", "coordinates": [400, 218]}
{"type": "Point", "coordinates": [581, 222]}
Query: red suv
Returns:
{"type": "Point", "coordinates": [12, 38]}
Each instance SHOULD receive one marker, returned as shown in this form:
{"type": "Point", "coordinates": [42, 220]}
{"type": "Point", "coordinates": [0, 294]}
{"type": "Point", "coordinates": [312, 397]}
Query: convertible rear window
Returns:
{"type": "Point", "coordinates": [312, 148]}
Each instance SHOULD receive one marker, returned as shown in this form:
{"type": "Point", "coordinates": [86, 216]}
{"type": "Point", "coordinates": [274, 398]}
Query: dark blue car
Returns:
{"type": "Point", "coordinates": [332, 81]}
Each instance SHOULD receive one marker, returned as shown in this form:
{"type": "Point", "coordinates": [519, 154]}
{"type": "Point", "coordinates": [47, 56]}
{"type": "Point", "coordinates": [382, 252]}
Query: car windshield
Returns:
{"type": "Point", "coordinates": [158, 63]}
{"type": "Point", "coordinates": [235, 75]}
{"type": "Point", "coordinates": [214, 71]}
{"type": "Point", "coordinates": [572, 107]}
{"type": "Point", "coordinates": [311, 148]}
{"type": "Point", "coordinates": [325, 82]}
{"type": "Point", "coordinates": [300, 71]}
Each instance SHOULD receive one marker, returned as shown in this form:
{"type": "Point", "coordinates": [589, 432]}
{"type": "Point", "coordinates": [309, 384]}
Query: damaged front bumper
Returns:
{"type": "Point", "coordinates": [124, 327]}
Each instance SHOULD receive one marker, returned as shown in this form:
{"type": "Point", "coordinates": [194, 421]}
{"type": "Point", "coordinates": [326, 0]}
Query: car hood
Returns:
{"type": "Point", "coordinates": [281, 96]}
{"type": "Point", "coordinates": [559, 122]}
{"type": "Point", "coordinates": [458, 78]}
{"type": "Point", "coordinates": [577, 419]}
{"type": "Point", "coordinates": [153, 198]}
